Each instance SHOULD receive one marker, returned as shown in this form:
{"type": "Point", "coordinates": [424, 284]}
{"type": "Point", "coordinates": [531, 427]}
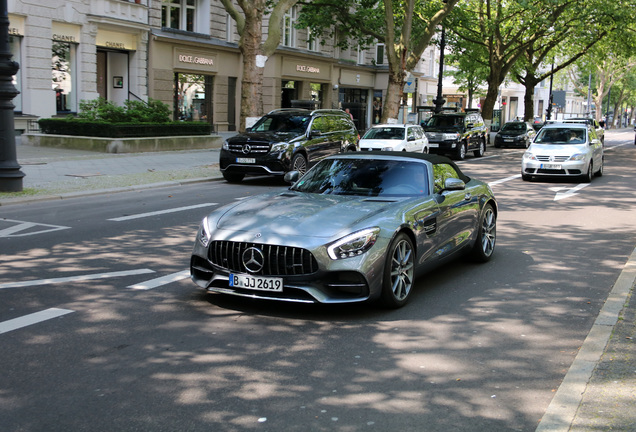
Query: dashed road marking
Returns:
{"type": "Point", "coordinates": [77, 278]}
{"type": "Point", "coordinates": [160, 212]}
{"type": "Point", "coordinates": [31, 319]}
{"type": "Point", "coordinates": [154, 283]}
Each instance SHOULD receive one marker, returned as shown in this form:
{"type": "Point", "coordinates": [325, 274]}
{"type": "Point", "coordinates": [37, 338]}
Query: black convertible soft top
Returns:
{"type": "Point", "coordinates": [435, 159]}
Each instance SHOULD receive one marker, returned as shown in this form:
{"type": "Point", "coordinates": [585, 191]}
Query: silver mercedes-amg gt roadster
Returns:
{"type": "Point", "coordinates": [356, 227]}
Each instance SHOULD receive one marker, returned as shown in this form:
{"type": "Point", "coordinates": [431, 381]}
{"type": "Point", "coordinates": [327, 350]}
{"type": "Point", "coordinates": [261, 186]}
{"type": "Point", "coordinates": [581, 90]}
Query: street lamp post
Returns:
{"type": "Point", "coordinates": [10, 174]}
{"type": "Point", "coordinates": [439, 100]}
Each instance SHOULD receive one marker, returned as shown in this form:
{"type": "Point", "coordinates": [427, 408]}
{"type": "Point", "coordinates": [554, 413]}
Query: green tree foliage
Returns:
{"type": "Point", "coordinates": [406, 28]}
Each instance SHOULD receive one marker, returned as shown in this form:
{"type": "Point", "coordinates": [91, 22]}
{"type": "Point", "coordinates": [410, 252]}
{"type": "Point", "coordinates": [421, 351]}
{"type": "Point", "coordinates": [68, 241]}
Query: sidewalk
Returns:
{"type": "Point", "coordinates": [598, 392]}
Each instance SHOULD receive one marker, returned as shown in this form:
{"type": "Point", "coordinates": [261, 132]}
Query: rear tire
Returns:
{"type": "Point", "coordinates": [482, 148]}
{"type": "Point", "coordinates": [486, 236]}
{"type": "Point", "coordinates": [399, 271]}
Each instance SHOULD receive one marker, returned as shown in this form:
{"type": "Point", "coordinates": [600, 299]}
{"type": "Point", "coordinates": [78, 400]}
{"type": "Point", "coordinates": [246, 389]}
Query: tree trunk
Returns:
{"type": "Point", "coordinates": [530, 82]}
{"type": "Point", "coordinates": [393, 100]}
{"type": "Point", "coordinates": [489, 102]}
{"type": "Point", "coordinates": [252, 80]}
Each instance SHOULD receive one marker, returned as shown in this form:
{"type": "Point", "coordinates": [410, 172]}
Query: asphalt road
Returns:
{"type": "Point", "coordinates": [102, 330]}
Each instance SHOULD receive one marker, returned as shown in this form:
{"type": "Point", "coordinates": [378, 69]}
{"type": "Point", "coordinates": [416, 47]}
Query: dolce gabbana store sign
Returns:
{"type": "Point", "coordinates": [195, 60]}
{"type": "Point", "coordinates": [306, 69]}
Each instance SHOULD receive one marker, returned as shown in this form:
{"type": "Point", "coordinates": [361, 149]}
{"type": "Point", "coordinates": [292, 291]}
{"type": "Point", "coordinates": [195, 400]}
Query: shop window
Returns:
{"type": "Point", "coordinates": [229, 28]}
{"type": "Point", "coordinates": [289, 28]}
{"type": "Point", "coordinates": [64, 76]}
{"type": "Point", "coordinates": [193, 97]}
{"type": "Point", "coordinates": [178, 14]}
{"type": "Point", "coordinates": [361, 55]}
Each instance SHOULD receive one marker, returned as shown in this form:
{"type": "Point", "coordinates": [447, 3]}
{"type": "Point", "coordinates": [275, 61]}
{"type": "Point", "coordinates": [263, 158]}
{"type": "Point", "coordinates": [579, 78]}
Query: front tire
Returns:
{"type": "Point", "coordinates": [461, 151]}
{"type": "Point", "coordinates": [299, 163]}
{"type": "Point", "coordinates": [486, 236]}
{"type": "Point", "coordinates": [587, 177]}
{"type": "Point", "coordinates": [399, 271]}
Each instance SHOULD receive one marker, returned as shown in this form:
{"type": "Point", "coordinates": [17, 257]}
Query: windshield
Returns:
{"type": "Point", "coordinates": [514, 127]}
{"type": "Point", "coordinates": [365, 177]}
{"type": "Point", "coordinates": [445, 121]}
{"type": "Point", "coordinates": [561, 136]}
{"type": "Point", "coordinates": [282, 123]}
{"type": "Point", "coordinates": [385, 133]}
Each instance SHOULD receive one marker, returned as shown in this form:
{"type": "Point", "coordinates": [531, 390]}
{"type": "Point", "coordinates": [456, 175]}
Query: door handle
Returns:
{"type": "Point", "coordinates": [468, 196]}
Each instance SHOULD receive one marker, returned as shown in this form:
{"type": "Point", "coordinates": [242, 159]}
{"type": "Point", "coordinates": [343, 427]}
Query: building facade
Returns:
{"type": "Point", "coordinates": [185, 53]}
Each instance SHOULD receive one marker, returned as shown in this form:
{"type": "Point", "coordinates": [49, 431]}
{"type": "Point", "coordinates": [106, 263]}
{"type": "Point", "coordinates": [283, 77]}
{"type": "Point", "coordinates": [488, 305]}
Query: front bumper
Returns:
{"type": "Point", "coordinates": [270, 163]}
{"type": "Point", "coordinates": [559, 169]}
{"type": "Point", "coordinates": [350, 280]}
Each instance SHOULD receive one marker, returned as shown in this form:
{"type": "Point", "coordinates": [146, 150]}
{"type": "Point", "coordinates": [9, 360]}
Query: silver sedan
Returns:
{"type": "Point", "coordinates": [356, 227]}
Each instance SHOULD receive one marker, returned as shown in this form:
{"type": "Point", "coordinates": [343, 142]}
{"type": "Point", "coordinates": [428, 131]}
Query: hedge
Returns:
{"type": "Point", "coordinates": [77, 127]}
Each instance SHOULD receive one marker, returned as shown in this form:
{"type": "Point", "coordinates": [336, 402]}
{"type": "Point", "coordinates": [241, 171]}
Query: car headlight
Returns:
{"type": "Point", "coordinates": [354, 244]}
{"type": "Point", "coordinates": [451, 136]}
{"type": "Point", "coordinates": [279, 147]}
{"type": "Point", "coordinates": [204, 233]}
{"type": "Point", "coordinates": [225, 146]}
{"type": "Point", "coordinates": [529, 156]}
{"type": "Point", "coordinates": [577, 157]}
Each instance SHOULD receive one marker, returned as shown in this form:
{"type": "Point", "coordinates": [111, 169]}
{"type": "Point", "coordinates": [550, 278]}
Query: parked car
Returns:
{"type": "Point", "coordinates": [285, 140]}
{"type": "Point", "coordinates": [356, 227]}
{"type": "Point", "coordinates": [600, 131]}
{"type": "Point", "coordinates": [515, 133]}
{"type": "Point", "coordinates": [564, 150]}
{"type": "Point", "coordinates": [395, 137]}
{"type": "Point", "coordinates": [455, 134]}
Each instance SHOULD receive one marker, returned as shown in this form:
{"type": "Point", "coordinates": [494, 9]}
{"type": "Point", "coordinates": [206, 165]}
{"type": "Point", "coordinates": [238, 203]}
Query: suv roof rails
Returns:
{"type": "Point", "coordinates": [329, 111]}
{"type": "Point", "coordinates": [280, 110]}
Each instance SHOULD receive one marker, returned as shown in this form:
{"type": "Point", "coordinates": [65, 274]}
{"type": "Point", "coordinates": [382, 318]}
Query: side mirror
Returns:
{"type": "Point", "coordinates": [249, 129]}
{"type": "Point", "coordinates": [411, 139]}
{"type": "Point", "coordinates": [291, 177]}
{"type": "Point", "coordinates": [454, 184]}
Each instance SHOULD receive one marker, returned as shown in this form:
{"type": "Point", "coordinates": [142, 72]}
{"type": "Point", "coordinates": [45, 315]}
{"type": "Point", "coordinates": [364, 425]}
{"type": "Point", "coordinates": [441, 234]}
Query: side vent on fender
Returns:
{"type": "Point", "coordinates": [430, 226]}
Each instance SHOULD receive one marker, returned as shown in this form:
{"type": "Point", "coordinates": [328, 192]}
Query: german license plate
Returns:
{"type": "Point", "coordinates": [551, 166]}
{"type": "Point", "coordinates": [508, 140]}
{"type": "Point", "coordinates": [246, 160]}
{"type": "Point", "coordinates": [256, 282]}
{"type": "Point", "coordinates": [433, 145]}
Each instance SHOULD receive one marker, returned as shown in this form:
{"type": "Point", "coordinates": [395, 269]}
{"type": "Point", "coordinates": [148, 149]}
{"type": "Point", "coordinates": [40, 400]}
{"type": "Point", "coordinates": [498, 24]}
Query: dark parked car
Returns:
{"type": "Point", "coordinates": [356, 227]}
{"type": "Point", "coordinates": [455, 134]}
{"type": "Point", "coordinates": [285, 140]}
{"type": "Point", "coordinates": [515, 133]}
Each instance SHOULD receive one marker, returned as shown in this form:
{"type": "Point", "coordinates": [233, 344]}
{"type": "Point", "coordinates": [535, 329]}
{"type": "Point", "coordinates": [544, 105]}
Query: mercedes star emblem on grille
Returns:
{"type": "Point", "coordinates": [247, 148]}
{"type": "Point", "coordinates": [253, 259]}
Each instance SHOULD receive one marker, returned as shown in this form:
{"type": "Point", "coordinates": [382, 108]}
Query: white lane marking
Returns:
{"type": "Point", "coordinates": [24, 226]}
{"type": "Point", "coordinates": [154, 283]}
{"type": "Point", "coordinates": [569, 192]}
{"type": "Point", "coordinates": [160, 212]}
{"type": "Point", "coordinates": [496, 182]}
{"type": "Point", "coordinates": [73, 278]}
{"type": "Point", "coordinates": [31, 319]}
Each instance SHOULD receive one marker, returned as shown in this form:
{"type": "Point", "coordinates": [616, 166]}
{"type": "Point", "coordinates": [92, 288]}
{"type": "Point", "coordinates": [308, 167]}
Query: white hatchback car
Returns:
{"type": "Point", "coordinates": [564, 150]}
{"type": "Point", "coordinates": [395, 137]}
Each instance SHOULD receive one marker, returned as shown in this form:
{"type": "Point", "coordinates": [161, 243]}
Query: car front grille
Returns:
{"type": "Point", "coordinates": [252, 147]}
{"type": "Point", "coordinates": [277, 260]}
{"type": "Point", "coordinates": [555, 158]}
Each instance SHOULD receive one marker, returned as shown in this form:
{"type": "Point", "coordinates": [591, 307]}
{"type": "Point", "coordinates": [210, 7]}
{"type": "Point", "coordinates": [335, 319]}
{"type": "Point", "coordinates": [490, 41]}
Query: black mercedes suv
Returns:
{"type": "Point", "coordinates": [455, 134]}
{"type": "Point", "coordinates": [285, 140]}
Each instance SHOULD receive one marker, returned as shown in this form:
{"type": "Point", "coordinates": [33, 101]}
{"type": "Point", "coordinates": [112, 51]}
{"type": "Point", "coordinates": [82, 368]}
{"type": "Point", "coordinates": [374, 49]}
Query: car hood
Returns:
{"type": "Point", "coordinates": [511, 133]}
{"type": "Point", "coordinates": [271, 137]}
{"type": "Point", "coordinates": [381, 143]}
{"type": "Point", "coordinates": [558, 149]}
{"type": "Point", "coordinates": [292, 213]}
